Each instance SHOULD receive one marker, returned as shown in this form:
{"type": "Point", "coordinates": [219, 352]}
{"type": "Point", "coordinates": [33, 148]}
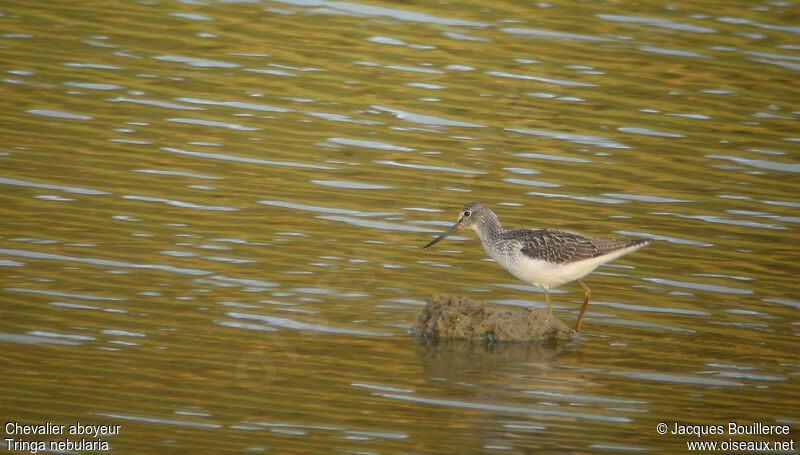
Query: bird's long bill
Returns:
{"type": "Point", "coordinates": [455, 227]}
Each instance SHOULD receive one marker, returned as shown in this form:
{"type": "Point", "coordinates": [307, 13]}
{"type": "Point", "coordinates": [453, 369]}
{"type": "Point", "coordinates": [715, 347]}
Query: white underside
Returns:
{"type": "Point", "coordinates": [547, 275]}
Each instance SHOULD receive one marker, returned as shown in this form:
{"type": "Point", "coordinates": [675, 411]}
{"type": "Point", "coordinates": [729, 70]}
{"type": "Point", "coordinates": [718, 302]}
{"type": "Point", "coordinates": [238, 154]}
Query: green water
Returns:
{"type": "Point", "coordinates": [212, 213]}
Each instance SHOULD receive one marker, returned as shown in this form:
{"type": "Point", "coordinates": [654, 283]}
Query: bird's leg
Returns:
{"type": "Point", "coordinates": [586, 294]}
{"type": "Point", "coordinates": [547, 300]}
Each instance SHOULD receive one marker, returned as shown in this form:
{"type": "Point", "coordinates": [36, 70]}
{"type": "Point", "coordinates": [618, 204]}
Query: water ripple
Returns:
{"type": "Point", "coordinates": [64, 294]}
{"type": "Point", "coordinates": [551, 34]}
{"type": "Point", "coordinates": [198, 62]}
{"type": "Point", "coordinates": [78, 306]}
{"type": "Point", "coordinates": [299, 325]}
{"type": "Point", "coordinates": [540, 79]}
{"type": "Point", "coordinates": [531, 183]}
{"type": "Point", "coordinates": [181, 204]}
{"type": "Point", "coordinates": [542, 156]}
{"type": "Point", "coordinates": [375, 224]}
{"type": "Point", "coordinates": [724, 220]}
{"type": "Point", "coordinates": [246, 326]}
{"type": "Point", "coordinates": [494, 407]}
{"type": "Point", "coordinates": [739, 21]}
{"type": "Point", "coordinates": [157, 103]}
{"type": "Point", "coordinates": [162, 421]}
{"type": "Point", "coordinates": [788, 65]}
{"type": "Point", "coordinates": [463, 37]}
{"type": "Point", "coordinates": [49, 186]}
{"type": "Point", "coordinates": [369, 144]}
{"type": "Point", "coordinates": [350, 185]}
{"type": "Point", "coordinates": [700, 286]}
{"type": "Point", "coordinates": [242, 159]}
{"type": "Point", "coordinates": [213, 124]}
{"type": "Point", "coordinates": [382, 388]}
{"type": "Point", "coordinates": [192, 16]}
{"type": "Point", "coordinates": [59, 114]}
{"type": "Point", "coordinates": [98, 66]}
{"type": "Point", "coordinates": [644, 325]}
{"type": "Point", "coordinates": [329, 210]}
{"type": "Point", "coordinates": [645, 198]}
{"type": "Point", "coordinates": [578, 198]}
{"type": "Point", "coordinates": [651, 309]}
{"type": "Point", "coordinates": [648, 132]}
{"type": "Point", "coordinates": [332, 117]}
{"type": "Point", "coordinates": [100, 262]}
{"type": "Point", "coordinates": [677, 52]}
{"type": "Point", "coordinates": [583, 398]}
{"type": "Point", "coordinates": [250, 282]}
{"type": "Point", "coordinates": [66, 336]}
{"type": "Point", "coordinates": [657, 22]}
{"type": "Point", "coordinates": [675, 240]}
{"type": "Point", "coordinates": [761, 164]}
{"type": "Point", "coordinates": [235, 104]}
{"type": "Point", "coordinates": [93, 86]}
{"type": "Point", "coordinates": [428, 168]}
{"type": "Point", "coordinates": [426, 119]}
{"type": "Point", "coordinates": [582, 139]}
{"type": "Point", "coordinates": [177, 174]}
{"type": "Point", "coordinates": [361, 9]}
{"type": "Point", "coordinates": [35, 339]}
{"type": "Point", "coordinates": [271, 72]}
{"type": "Point", "coordinates": [790, 303]}
{"type": "Point", "coordinates": [748, 376]}
{"type": "Point", "coordinates": [678, 379]}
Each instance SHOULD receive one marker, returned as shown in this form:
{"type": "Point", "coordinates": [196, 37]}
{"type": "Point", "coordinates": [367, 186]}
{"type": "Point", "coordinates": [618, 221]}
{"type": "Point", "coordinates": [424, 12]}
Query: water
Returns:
{"type": "Point", "coordinates": [213, 213]}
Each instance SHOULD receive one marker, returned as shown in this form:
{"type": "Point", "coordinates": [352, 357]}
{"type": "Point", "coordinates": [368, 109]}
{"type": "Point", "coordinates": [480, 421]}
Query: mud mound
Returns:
{"type": "Point", "coordinates": [452, 317]}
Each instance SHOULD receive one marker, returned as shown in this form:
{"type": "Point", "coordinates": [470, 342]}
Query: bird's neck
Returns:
{"type": "Point", "coordinates": [489, 229]}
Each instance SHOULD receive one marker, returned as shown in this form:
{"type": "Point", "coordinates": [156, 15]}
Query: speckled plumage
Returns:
{"type": "Point", "coordinates": [560, 247]}
{"type": "Point", "coordinates": [546, 258]}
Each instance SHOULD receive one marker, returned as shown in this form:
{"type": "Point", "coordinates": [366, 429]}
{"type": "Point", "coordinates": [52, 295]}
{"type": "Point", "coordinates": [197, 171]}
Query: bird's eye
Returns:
{"type": "Point", "coordinates": [466, 214]}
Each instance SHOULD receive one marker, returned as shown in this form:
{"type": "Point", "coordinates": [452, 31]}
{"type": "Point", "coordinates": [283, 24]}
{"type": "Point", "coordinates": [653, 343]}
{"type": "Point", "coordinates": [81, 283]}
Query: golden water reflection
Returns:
{"type": "Point", "coordinates": [212, 216]}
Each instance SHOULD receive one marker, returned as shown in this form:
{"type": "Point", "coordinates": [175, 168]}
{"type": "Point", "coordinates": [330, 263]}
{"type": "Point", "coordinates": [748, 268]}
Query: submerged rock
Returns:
{"type": "Point", "coordinates": [450, 317]}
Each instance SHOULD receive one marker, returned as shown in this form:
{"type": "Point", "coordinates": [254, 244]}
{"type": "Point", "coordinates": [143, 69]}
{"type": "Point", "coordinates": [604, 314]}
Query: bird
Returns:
{"type": "Point", "coordinates": [546, 258]}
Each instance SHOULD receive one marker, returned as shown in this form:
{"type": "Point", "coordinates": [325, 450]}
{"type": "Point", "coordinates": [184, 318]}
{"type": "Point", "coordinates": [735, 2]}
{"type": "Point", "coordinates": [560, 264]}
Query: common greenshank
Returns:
{"type": "Point", "coordinates": [546, 258]}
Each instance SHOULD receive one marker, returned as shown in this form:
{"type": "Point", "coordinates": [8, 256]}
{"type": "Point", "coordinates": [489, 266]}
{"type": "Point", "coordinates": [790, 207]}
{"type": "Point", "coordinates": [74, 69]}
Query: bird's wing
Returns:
{"type": "Point", "coordinates": [560, 246]}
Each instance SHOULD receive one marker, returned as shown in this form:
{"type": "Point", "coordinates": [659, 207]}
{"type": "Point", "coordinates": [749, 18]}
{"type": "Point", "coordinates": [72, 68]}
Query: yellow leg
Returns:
{"type": "Point", "coordinates": [586, 294]}
{"type": "Point", "coordinates": [547, 300]}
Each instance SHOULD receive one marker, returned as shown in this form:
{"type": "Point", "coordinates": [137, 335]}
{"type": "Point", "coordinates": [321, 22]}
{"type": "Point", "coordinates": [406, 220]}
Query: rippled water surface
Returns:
{"type": "Point", "coordinates": [212, 217]}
